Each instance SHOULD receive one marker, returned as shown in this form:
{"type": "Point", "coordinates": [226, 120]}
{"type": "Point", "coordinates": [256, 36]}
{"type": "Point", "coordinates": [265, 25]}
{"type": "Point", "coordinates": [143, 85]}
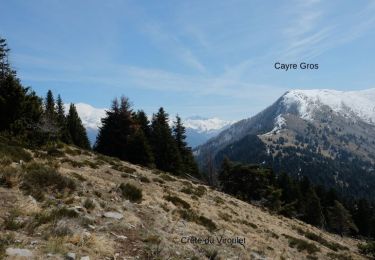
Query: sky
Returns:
{"type": "Point", "coordinates": [206, 58]}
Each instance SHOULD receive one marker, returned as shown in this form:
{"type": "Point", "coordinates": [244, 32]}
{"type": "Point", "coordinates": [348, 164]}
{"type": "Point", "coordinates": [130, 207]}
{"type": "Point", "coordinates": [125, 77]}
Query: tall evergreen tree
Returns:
{"type": "Point", "coordinates": [5, 68]}
{"type": "Point", "coordinates": [340, 219]}
{"type": "Point", "coordinates": [20, 108]}
{"type": "Point", "coordinates": [76, 129]}
{"type": "Point", "coordinates": [117, 127]}
{"type": "Point", "coordinates": [362, 217]}
{"type": "Point", "coordinates": [50, 104]}
{"type": "Point", "coordinates": [140, 149]}
{"type": "Point", "coordinates": [144, 123]}
{"type": "Point", "coordinates": [48, 124]}
{"type": "Point", "coordinates": [313, 213]}
{"type": "Point", "coordinates": [187, 159]}
{"type": "Point", "coordinates": [62, 121]}
{"type": "Point", "coordinates": [167, 156]}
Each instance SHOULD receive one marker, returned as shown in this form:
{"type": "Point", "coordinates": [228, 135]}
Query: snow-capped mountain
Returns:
{"type": "Point", "coordinates": [327, 135]}
{"type": "Point", "coordinates": [90, 117]}
{"type": "Point", "coordinates": [346, 103]}
{"type": "Point", "coordinates": [198, 129]}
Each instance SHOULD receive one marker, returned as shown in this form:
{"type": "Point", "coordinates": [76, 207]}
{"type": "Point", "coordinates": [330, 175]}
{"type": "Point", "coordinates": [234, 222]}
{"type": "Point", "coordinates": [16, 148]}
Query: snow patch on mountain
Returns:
{"type": "Point", "coordinates": [90, 116]}
{"type": "Point", "coordinates": [347, 103]}
{"type": "Point", "coordinates": [201, 124]}
{"type": "Point", "coordinates": [280, 123]}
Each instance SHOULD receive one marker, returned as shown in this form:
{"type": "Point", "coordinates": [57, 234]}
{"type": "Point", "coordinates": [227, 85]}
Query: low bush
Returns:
{"type": "Point", "coordinates": [72, 152]}
{"type": "Point", "coordinates": [89, 204]}
{"type": "Point", "coordinates": [52, 216]}
{"type": "Point", "coordinates": [39, 178]}
{"type": "Point", "coordinates": [247, 223]}
{"type": "Point", "coordinates": [199, 191]}
{"type": "Point", "coordinates": [12, 222]}
{"type": "Point", "coordinates": [177, 201]}
{"type": "Point", "coordinates": [123, 168]}
{"type": "Point", "coordinates": [167, 177]}
{"type": "Point", "coordinates": [367, 249]}
{"type": "Point", "coordinates": [91, 164]}
{"type": "Point", "coordinates": [158, 180]}
{"type": "Point", "coordinates": [144, 179]}
{"type": "Point", "coordinates": [73, 163]}
{"type": "Point", "coordinates": [218, 200]}
{"type": "Point", "coordinates": [131, 192]}
{"type": "Point", "coordinates": [5, 241]}
{"type": "Point", "coordinates": [54, 152]}
{"type": "Point", "coordinates": [317, 238]}
{"type": "Point", "coordinates": [9, 176]}
{"type": "Point", "coordinates": [191, 216]}
{"type": "Point", "coordinates": [302, 245]}
{"type": "Point", "coordinates": [14, 153]}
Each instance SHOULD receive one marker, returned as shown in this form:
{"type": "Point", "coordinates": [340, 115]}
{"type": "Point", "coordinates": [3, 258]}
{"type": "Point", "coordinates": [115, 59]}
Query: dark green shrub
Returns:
{"type": "Point", "coordinates": [177, 201]}
{"type": "Point", "coordinates": [8, 176]}
{"type": "Point", "coordinates": [5, 241]}
{"type": "Point", "coordinates": [53, 151]}
{"type": "Point", "coordinates": [75, 164]}
{"type": "Point", "coordinates": [15, 153]}
{"type": "Point", "coordinates": [72, 152]}
{"type": "Point", "coordinates": [158, 180]}
{"type": "Point", "coordinates": [199, 191]}
{"type": "Point", "coordinates": [89, 204]}
{"type": "Point", "coordinates": [91, 164]}
{"type": "Point", "coordinates": [11, 222]}
{"type": "Point", "coordinates": [218, 200]}
{"type": "Point", "coordinates": [167, 177]}
{"type": "Point", "coordinates": [123, 168]}
{"type": "Point", "coordinates": [314, 237]}
{"type": "Point", "coordinates": [144, 179]}
{"type": "Point", "coordinates": [247, 223]}
{"type": "Point", "coordinates": [367, 249]}
{"type": "Point", "coordinates": [302, 245]}
{"type": "Point", "coordinates": [51, 216]}
{"type": "Point", "coordinates": [131, 192]}
{"type": "Point", "coordinates": [191, 216]}
{"type": "Point", "coordinates": [39, 178]}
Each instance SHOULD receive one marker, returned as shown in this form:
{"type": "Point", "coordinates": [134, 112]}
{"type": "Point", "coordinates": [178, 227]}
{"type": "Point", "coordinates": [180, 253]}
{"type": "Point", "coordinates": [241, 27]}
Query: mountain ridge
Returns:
{"type": "Point", "coordinates": [307, 131]}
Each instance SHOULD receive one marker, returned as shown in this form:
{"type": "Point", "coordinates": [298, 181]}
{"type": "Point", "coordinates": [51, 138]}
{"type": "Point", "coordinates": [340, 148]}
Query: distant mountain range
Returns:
{"type": "Point", "coordinates": [198, 129]}
{"type": "Point", "coordinates": [326, 135]}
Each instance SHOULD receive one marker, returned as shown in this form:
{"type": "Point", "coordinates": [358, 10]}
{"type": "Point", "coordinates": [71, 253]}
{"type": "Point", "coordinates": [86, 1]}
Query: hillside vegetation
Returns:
{"type": "Point", "coordinates": [64, 201]}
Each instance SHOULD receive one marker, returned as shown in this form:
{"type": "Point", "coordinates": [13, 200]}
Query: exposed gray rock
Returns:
{"type": "Point", "coordinates": [18, 252]}
{"type": "Point", "coordinates": [85, 258]}
{"type": "Point", "coordinates": [70, 256]}
{"type": "Point", "coordinates": [112, 214]}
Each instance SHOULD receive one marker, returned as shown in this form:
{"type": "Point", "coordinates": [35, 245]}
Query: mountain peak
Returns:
{"type": "Point", "coordinates": [346, 103]}
{"type": "Point", "coordinates": [205, 125]}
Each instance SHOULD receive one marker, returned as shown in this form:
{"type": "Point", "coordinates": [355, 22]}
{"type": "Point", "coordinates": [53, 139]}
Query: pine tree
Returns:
{"type": "Point", "coordinates": [167, 156]}
{"type": "Point", "coordinates": [362, 217]}
{"type": "Point", "coordinates": [117, 127]}
{"type": "Point", "coordinates": [48, 124]}
{"type": "Point", "coordinates": [5, 68]}
{"type": "Point", "coordinates": [187, 159]}
{"type": "Point", "coordinates": [143, 122]}
{"type": "Point", "coordinates": [140, 149]}
{"type": "Point", "coordinates": [62, 121]}
{"type": "Point", "coordinates": [76, 129]}
{"type": "Point", "coordinates": [340, 219]}
{"type": "Point", "coordinates": [20, 108]}
{"type": "Point", "coordinates": [50, 104]}
{"type": "Point", "coordinates": [313, 210]}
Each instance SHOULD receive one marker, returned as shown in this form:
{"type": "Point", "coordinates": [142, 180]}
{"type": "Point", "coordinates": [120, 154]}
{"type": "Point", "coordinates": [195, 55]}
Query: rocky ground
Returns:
{"type": "Point", "coordinates": [72, 204]}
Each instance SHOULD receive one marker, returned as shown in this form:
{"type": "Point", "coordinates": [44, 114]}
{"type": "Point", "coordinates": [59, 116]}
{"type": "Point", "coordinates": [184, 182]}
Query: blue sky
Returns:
{"type": "Point", "coordinates": [207, 58]}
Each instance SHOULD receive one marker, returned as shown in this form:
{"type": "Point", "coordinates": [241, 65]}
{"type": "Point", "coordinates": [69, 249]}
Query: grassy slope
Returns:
{"type": "Point", "coordinates": [153, 228]}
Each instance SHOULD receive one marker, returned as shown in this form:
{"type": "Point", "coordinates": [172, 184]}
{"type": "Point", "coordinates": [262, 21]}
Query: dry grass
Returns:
{"type": "Point", "coordinates": [170, 208]}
